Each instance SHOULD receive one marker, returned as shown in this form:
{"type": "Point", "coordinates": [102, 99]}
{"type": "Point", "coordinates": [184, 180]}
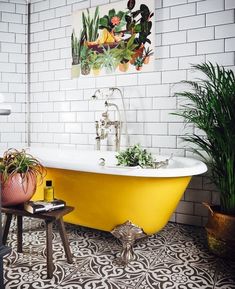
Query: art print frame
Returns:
{"type": "Point", "coordinates": [115, 38]}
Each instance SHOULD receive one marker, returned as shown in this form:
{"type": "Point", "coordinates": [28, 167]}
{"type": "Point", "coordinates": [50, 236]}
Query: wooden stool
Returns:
{"type": "Point", "coordinates": [49, 217]}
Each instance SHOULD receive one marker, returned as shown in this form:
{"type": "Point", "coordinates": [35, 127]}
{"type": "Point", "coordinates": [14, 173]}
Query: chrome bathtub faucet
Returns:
{"type": "Point", "coordinates": [105, 124]}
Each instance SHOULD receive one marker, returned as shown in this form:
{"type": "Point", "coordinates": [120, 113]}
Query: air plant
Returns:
{"type": "Point", "coordinates": [108, 59]}
{"type": "Point", "coordinates": [211, 108]}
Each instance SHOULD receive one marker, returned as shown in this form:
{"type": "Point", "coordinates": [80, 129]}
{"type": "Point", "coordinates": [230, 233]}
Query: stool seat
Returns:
{"type": "Point", "coordinates": [49, 218]}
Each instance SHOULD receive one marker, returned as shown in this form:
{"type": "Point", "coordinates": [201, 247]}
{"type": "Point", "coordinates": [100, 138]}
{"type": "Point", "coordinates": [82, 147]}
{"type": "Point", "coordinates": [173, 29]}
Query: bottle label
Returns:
{"type": "Point", "coordinates": [48, 194]}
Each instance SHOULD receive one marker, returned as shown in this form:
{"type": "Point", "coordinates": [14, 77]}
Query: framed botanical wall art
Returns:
{"type": "Point", "coordinates": [114, 38]}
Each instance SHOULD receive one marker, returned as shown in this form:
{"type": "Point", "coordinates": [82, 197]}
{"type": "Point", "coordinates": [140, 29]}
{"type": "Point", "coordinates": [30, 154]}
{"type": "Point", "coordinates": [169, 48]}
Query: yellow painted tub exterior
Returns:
{"type": "Point", "coordinates": [104, 201]}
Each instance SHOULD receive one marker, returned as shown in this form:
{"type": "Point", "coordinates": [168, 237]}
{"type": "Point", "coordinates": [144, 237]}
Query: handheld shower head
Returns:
{"type": "Point", "coordinates": [96, 95]}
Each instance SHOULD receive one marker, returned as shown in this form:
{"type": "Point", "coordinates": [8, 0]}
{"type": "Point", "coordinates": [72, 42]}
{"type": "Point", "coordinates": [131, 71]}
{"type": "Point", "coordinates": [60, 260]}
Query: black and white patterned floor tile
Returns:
{"type": "Point", "coordinates": [175, 258]}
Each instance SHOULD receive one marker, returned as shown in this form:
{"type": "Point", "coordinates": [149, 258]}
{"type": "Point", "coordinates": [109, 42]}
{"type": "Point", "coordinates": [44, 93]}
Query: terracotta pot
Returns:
{"type": "Point", "coordinates": [138, 68]}
{"type": "Point", "coordinates": [220, 233]}
{"type": "Point", "coordinates": [123, 66]}
{"type": "Point", "coordinates": [16, 190]}
{"type": "Point", "coordinates": [146, 60]}
{"type": "Point", "coordinates": [138, 53]}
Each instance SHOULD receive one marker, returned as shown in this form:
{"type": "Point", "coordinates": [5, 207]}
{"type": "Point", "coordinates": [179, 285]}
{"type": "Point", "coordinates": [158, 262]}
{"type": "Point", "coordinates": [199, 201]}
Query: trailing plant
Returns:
{"type": "Point", "coordinates": [135, 156]}
{"type": "Point", "coordinates": [20, 162]}
{"type": "Point", "coordinates": [211, 108]}
{"type": "Point", "coordinates": [90, 25]}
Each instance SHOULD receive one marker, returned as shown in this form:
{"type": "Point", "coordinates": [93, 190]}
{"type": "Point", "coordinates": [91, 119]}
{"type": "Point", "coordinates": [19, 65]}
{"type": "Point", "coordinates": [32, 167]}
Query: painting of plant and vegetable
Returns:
{"type": "Point", "coordinates": [113, 38]}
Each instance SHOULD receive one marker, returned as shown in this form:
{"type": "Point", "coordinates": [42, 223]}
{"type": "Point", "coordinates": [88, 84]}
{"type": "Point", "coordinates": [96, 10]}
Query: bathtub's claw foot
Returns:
{"type": "Point", "coordinates": [127, 233]}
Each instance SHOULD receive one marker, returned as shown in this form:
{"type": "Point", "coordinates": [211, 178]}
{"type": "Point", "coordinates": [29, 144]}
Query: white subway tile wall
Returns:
{"type": "Point", "coordinates": [13, 71]}
{"type": "Point", "coordinates": [62, 111]}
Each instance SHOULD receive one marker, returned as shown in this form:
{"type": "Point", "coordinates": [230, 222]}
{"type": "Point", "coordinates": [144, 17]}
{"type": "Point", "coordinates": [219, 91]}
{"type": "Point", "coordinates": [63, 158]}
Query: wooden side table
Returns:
{"type": "Point", "coordinates": [49, 217]}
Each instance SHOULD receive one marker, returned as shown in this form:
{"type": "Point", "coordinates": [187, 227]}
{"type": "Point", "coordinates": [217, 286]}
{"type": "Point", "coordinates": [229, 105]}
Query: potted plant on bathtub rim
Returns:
{"type": "Point", "coordinates": [211, 108]}
{"type": "Point", "coordinates": [19, 174]}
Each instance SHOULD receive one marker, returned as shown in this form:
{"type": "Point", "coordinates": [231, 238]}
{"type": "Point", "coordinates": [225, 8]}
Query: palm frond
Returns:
{"type": "Point", "coordinates": [211, 108]}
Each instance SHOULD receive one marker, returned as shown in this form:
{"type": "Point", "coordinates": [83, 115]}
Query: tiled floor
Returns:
{"type": "Point", "coordinates": [175, 258]}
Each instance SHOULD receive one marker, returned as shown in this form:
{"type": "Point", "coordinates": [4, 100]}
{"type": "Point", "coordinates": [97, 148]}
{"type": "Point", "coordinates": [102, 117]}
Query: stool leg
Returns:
{"type": "Point", "coordinates": [6, 228]}
{"type": "Point", "coordinates": [49, 249]}
{"type": "Point", "coordinates": [65, 240]}
{"type": "Point", "coordinates": [19, 234]}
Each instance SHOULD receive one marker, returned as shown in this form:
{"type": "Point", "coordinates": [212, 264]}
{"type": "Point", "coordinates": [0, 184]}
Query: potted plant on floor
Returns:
{"type": "Point", "coordinates": [19, 173]}
{"type": "Point", "coordinates": [211, 108]}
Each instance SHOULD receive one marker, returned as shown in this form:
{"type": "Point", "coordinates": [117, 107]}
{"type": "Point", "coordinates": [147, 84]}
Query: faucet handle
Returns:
{"type": "Point", "coordinates": [105, 114]}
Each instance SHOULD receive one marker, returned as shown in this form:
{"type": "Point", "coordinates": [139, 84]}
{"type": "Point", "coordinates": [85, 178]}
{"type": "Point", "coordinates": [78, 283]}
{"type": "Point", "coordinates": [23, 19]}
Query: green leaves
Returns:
{"type": "Point", "coordinates": [15, 161]}
{"type": "Point", "coordinates": [135, 156]}
{"type": "Point", "coordinates": [212, 109]}
{"type": "Point", "coordinates": [90, 26]}
{"type": "Point", "coordinates": [131, 4]}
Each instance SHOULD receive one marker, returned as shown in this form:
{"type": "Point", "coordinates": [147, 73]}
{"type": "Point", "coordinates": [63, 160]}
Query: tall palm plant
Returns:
{"type": "Point", "coordinates": [212, 109]}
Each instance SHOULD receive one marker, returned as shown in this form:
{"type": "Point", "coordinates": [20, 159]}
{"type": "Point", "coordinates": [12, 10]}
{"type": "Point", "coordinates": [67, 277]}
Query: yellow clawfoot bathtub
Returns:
{"type": "Point", "coordinates": [104, 201]}
{"type": "Point", "coordinates": [128, 202]}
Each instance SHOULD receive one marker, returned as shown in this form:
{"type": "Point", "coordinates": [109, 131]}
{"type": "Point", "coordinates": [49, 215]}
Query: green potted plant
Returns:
{"type": "Point", "coordinates": [76, 53]}
{"type": "Point", "coordinates": [123, 52]}
{"type": "Point", "coordinates": [96, 63]}
{"type": "Point", "coordinates": [211, 108]}
{"type": "Point", "coordinates": [90, 26]}
{"type": "Point", "coordinates": [19, 172]}
{"type": "Point", "coordinates": [147, 53]}
{"type": "Point", "coordinates": [85, 60]}
{"type": "Point", "coordinates": [135, 156]}
{"type": "Point", "coordinates": [109, 62]}
{"type": "Point", "coordinates": [139, 63]}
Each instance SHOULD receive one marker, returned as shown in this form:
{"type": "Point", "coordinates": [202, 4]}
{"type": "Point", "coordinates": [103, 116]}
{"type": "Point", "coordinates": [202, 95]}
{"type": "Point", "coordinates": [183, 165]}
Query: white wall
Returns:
{"type": "Point", "coordinates": [13, 71]}
{"type": "Point", "coordinates": [63, 114]}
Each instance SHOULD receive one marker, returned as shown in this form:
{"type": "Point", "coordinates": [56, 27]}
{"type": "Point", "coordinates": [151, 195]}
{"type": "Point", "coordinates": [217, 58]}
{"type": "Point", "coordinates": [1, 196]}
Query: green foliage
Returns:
{"type": "Point", "coordinates": [106, 21]}
{"type": "Point", "coordinates": [135, 156]}
{"type": "Point", "coordinates": [124, 51]}
{"type": "Point", "coordinates": [148, 52]}
{"type": "Point", "coordinates": [76, 46]}
{"type": "Point", "coordinates": [212, 110]}
{"type": "Point", "coordinates": [90, 25]}
{"type": "Point", "coordinates": [15, 161]}
{"type": "Point", "coordinates": [95, 60]}
{"type": "Point", "coordinates": [139, 22]}
{"type": "Point", "coordinates": [139, 62]}
{"type": "Point", "coordinates": [108, 60]}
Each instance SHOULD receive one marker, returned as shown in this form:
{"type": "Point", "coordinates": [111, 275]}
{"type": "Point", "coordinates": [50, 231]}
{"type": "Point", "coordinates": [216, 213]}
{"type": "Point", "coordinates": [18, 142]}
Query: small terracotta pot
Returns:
{"type": "Point", "coordinates": [138, 68]}
{"type": "Point", "coordinates": [138, 53]}
{"type": "Point", "coordinates": [220, 233]}
{"type": "Point", "coordinates": [16, 190]}
{"type": "Point", "coordinates": [146, 60]}
{"type": "Point", "coordinates": [123, 66]}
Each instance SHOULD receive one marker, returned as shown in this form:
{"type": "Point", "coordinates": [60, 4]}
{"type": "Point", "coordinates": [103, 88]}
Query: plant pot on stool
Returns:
{"type": "Point", "coordinates": [19, 171]}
